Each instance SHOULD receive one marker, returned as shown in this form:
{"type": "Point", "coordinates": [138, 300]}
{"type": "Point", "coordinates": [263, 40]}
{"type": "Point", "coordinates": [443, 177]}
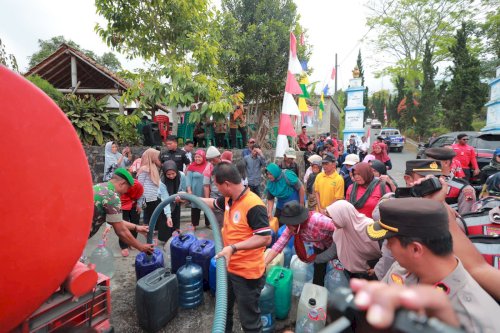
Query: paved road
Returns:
{"type": "Point", "coordinates": [199, 320]}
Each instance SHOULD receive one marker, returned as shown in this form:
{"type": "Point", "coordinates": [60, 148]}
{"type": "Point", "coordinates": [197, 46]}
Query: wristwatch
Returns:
{"type": "Point", "coordinates": [234, 248]}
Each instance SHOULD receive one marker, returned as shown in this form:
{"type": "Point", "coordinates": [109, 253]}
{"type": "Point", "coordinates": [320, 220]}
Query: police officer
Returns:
{"type": "Point", "coordinates": [459, 190]}
{"type": "Point", "coordinates": [173, 153]}
{"type": "Point", "coordinates": [417, 234]}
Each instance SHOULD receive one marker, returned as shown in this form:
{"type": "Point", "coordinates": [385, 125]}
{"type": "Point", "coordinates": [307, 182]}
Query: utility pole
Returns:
{"type": "Point", "coordinates": [336, 72]}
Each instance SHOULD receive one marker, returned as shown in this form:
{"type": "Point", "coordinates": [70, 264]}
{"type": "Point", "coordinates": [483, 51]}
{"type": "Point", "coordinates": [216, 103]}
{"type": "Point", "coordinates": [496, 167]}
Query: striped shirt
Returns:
{"type": "Point", "coordinates": [150, 189]}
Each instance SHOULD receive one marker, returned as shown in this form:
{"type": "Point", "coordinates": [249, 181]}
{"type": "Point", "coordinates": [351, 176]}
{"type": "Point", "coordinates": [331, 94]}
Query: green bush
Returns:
{"type": "Point", "coordinates": [93, 124]}
{"type": "Point", "coordinates": [46, 87]}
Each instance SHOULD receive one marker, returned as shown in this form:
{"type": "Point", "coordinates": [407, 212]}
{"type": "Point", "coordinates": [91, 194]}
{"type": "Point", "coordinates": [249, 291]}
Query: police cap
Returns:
{"type": "Point", "coordinates": [440, 153]}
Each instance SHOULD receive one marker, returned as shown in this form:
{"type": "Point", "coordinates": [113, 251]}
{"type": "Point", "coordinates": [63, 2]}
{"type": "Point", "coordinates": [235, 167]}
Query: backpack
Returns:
{"type": "Point", "coordinates": [489, 247]}
{"type": "Point", "coordinates": [480, 222]}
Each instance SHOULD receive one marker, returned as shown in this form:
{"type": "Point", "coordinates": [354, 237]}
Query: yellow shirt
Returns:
{"type": "Point", "coordinates": [329, 188]}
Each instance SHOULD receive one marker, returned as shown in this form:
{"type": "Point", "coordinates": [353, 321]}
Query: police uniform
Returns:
{"type": "Point", "coordinates": [476, 310]}
{"type": "Point", "coordinates": [459, 190]}
{"type": "Point", "coordinates": [178, 156]}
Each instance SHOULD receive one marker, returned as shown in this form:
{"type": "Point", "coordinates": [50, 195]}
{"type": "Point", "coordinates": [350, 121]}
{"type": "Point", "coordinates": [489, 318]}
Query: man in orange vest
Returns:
{"type": "Point", "coordinates": [245, 234]}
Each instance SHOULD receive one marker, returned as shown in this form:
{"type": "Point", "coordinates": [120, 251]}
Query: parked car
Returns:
{"type": "Point", "coordinates": [393, 138]}
{"type": "Point", "coordinates": [484, 144]}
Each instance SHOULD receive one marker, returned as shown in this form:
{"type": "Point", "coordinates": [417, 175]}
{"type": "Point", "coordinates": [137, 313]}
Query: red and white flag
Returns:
{"type": "Point", "coordinates": [334, 72]}
{"type": "Point", "coordinates": [385, 114]}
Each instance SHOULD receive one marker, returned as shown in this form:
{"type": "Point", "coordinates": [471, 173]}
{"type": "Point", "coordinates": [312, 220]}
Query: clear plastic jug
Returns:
{"type": "Point", "coordinates": [336, 278]}
{"type": "Point", "coordinates": [312, 294]}
{"type": "Point", "coordinates": [103, 259]}
{"type": "Point", "coordinates": [311, 323]}
{"type": "Point", "coordinates": [266, 306]}
{"type": "Point", "coordinates": [302, 273]}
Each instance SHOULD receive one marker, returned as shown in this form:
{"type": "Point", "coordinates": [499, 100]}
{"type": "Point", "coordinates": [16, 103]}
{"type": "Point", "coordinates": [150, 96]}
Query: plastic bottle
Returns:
{"type": "Point", "coordinates": [103, 259]}
{"type": "Point", "coordinates": [266, 306]}
{"type": "Point", "coordinates": [190, 278]}
{"type": "Point", "coordinates": [336, 278]}
{"type": "Point", "coordinates": [311, 323]}
{"type": "Point", "coordinates": [313, 296]}
{"type": "Point", "coordinates": [302, 273]}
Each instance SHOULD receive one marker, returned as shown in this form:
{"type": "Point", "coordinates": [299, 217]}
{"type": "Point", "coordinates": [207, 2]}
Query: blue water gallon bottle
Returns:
{"type": "Point", "coordinates": [103, 259]}
{"type": "Point", "coordinates": [266, 306]}
{"type": "Point", "coordinates": [212, 276]}
{"type": "Point", "coordinates": [190, 278]}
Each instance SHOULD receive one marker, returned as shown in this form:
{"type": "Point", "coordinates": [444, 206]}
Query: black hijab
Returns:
{"type": "Point", "coordinates": [172, 184]}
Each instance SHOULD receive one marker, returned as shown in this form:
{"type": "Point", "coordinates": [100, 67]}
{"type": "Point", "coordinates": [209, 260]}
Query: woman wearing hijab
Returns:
{"type": "Point", "coordinates": [380, 170]}
{"type": "Point", "coordinates": [491, 168]}
{"type": "Point", "coordinates": [194, 184]}
{"type": "Point", "coordinates": [366, 191]}
{"type": "Point", "coordinates": [284, 185]}
{"type": "Point", "coordinates": [380, 154]}
{"type": "Point", "coordinates": [172, 182]}
{"type": "Point", "coordinates": [114, 160]}
{"type": "Point", "coordinates": [355, 250]}
{"type": "Point", "coordinates": [149, 177]}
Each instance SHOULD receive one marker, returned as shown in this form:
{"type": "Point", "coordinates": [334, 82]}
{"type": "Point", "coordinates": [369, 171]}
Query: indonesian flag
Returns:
{"type": "Point", "coordinates": [289, 105]}
{"type": "Point", "coordinates": [281, 145]}
{"type": "Point", "coordinates": [334, 72]}
{"type": "Point", "coordinates": [286, 126]}
{"type": "Point", "coordinates": [294, 65]}
{"type": "Point", "coordinates": [292, 86]}
{"type": "Point", "coordinates": [385, 114]}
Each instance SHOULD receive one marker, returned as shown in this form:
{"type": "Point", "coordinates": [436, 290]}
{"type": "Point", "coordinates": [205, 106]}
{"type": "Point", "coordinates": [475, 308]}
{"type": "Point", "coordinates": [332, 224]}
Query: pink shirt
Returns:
{"type": "Point", "coordinates": [372, 201]}
{"type": "Point", "coordinates": [319, 231]}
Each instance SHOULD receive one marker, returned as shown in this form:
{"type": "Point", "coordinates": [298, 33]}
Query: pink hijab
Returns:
{"type": "Point", "coordinates": [354, 247]}
{"type": "Point", "coordinates": [148, 165]}
{"type": "Point", "coordinates": [382, 156]}
{"type": "Point", "coordinates": [194, 167]}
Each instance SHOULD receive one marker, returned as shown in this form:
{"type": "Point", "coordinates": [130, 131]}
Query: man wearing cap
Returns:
{"type": "Point", "coordinates": [350, 161]}
{"type": "Point", "coordinates": [418, 236]}
{"type": "Point", "coordinates": [305, 226]}
{"type": "Point", "coordinates": [303, 139]}
{"type": "Point", "coordinates": [329, 185]}
{"type": "Point", "coordinates": [289, 161]}
{"type": "Point", "coordinates": [459, 190]}
{"type": "Point", "coordinates": [210, 188]}
{"type": "Point", "coordinates": [466, 155]}
{"type": "Point", "coordinates": [107, 209]}
{"type": "Point", "coordinates": [173, 153]}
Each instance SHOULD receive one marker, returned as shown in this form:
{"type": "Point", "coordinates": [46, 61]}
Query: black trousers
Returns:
{"type": "Point", "coordinates": [164, 231]}
{"type": "Point", "coordinates": [195, 217]}
{"type": "Point", "coordinates": [148, 212]}
{"type": "Point", "coordinates": [133, 217]}
{"type": "Point", "coordinates": [255, 189]}
{"type": "Point", "coordinates": [246, 293]}
{"type": "Point", "coordinates": [243, 132]}
{"type": "Point", "coordinates": [219, 139]}
{"type": "Point", "coordinates": [319, 270]}
{"type": "Point", "coordinates": [468, 174]}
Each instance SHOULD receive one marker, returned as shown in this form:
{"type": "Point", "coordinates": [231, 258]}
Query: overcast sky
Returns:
{"type": "Point", "coordinates": [334, 26]}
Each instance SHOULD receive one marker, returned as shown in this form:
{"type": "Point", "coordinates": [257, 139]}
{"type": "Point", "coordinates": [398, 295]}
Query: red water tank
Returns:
{"type": "Point", "coordinates": [46, 198]}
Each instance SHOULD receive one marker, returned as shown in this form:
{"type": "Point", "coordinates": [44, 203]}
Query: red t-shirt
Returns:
{"type": "Point", "coordinates": [372, 201]}
{"type": "Point", "coordinates": [133, 194]}
{"type": "Point", "coordinates": [466, 155]}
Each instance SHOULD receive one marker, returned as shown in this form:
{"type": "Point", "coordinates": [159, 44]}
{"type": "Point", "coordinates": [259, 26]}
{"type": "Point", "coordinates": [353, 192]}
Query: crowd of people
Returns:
{"type": "Point", "coordinates": [345, 204]}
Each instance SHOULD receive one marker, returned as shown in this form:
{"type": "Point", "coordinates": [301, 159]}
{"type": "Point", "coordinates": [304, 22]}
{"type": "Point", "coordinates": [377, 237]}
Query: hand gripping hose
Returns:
{"type": "Point", "coordinates": [220, 313]}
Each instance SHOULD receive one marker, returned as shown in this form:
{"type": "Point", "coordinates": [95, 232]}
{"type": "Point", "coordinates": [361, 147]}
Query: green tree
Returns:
{"type": "Point", "coordinates": [429, 101]}
{"type": "Point", "coordinates": [404, 26]}
{"type": "Point", "coordinates": [180, 41]}
{"type": "Point", "coordinates": [255, 35]}
{"type": "Point", "coordinates": [7, 59]}
{"type": "Point", "coordinates": [47, 88]}
{"type": "Point", "coordinates": [392, 112]}
{"type": "Point", "coordinates": [466, 94]}
{"type": "Point", "coordinates": [49, 46]}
